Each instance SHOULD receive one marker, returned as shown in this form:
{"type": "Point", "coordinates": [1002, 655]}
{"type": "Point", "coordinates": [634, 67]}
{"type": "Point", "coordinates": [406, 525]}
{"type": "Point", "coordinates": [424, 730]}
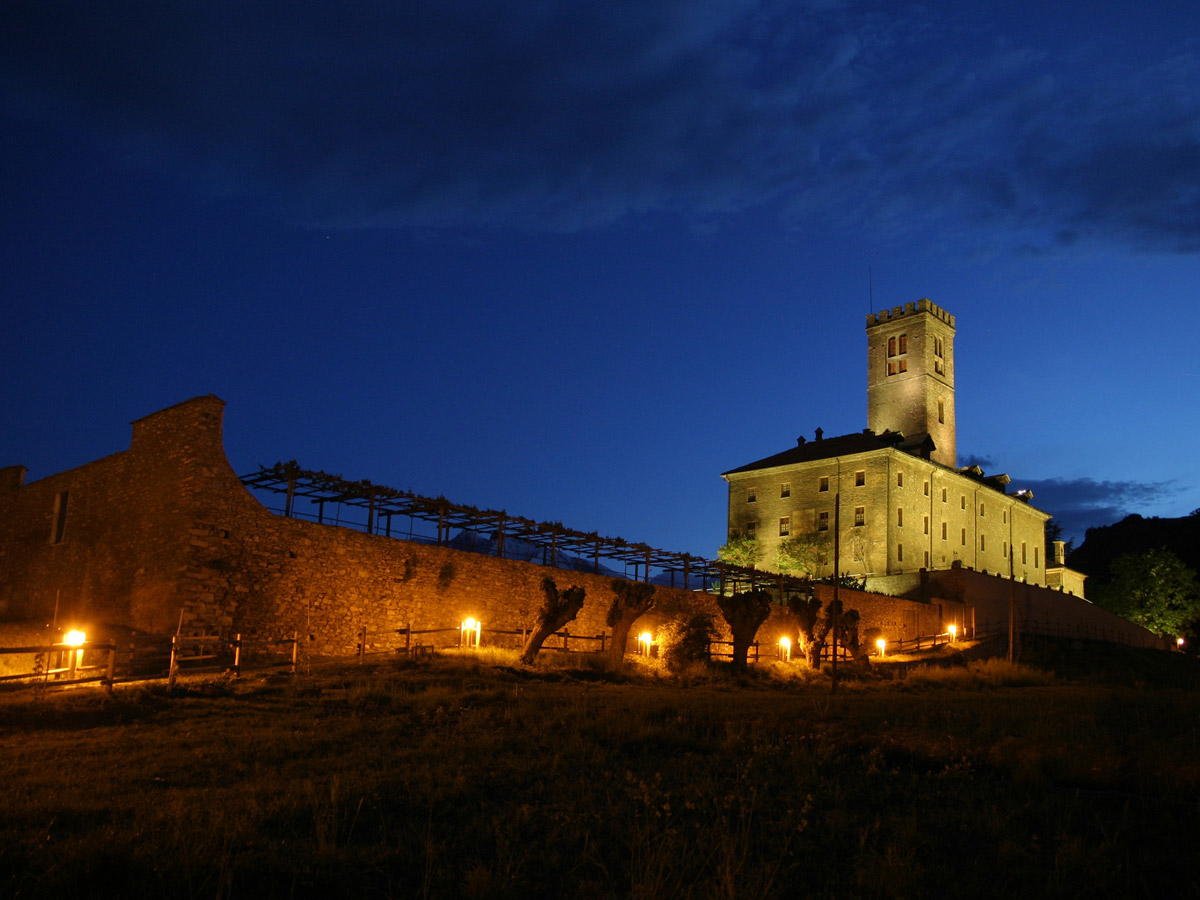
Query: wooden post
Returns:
{"type": "Point", "coordinates": [362, 644]}
{"type": "Point", "coordinates": [237, 654]}
{"type": "Point", "coordinates": [111, 669]}
{"type": "Point", "coordinates": [295, 650]}
{"type": "Point", "coordinates": [173, 668]}
{"type": "Point", "coordinates": [408, 639]}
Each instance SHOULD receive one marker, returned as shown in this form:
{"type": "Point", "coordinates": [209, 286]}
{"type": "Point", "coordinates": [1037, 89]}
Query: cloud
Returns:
{"type": "Point", "coordinates": [1083, 503]}
{"type": "Point", "coordinates": [566, 116]}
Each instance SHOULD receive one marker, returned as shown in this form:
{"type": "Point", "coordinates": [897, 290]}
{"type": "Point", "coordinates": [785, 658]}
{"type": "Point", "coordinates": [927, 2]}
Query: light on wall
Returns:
{"type": "Point", "coordinates": [469, 634]}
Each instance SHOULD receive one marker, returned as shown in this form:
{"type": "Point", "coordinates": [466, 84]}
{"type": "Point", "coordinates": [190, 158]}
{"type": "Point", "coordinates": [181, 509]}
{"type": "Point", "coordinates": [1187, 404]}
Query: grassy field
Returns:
{"type": "Point", "coordinates": [466, 776]}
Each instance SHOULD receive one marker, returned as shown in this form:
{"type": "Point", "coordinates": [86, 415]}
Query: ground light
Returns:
{"type": "Point", "coordinates": [953, 629]}
{"type": "Point", "coordinates": [645, 639]}
{"type": "Point", "coordinates": [881, 646]}
{"type": "Point", "coordinates": [785, 649]}
{"type": "Point", "coordinates": [469, 633]}
{"type": "Point", "coordinates": [74, 639]}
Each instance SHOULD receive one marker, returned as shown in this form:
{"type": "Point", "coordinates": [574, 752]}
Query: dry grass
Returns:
{"type": "Point", "coordinates": [468, 776]}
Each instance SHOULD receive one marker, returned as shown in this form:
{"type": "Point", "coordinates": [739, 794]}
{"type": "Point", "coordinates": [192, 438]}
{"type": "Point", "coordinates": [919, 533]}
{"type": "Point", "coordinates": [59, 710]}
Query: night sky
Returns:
{"type": "Point", "coordinates": [574, 260]}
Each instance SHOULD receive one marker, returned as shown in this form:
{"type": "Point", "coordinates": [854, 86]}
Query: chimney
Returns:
{"type": "Point", "coordinates": [800, 441]}
{"type": "Point", "coordinates": [820, 433]}
{"type": "Point", "coordinates": [1060, 553]}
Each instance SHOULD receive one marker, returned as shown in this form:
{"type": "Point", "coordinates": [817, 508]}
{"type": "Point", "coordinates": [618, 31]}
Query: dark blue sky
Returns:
{"type": "Point", "coordinates": [576, 259]}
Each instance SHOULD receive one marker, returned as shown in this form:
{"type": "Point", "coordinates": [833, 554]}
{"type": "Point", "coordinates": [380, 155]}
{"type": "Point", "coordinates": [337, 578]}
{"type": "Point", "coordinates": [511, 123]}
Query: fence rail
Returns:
{"type": "Point", "coordinates": [144, 660]}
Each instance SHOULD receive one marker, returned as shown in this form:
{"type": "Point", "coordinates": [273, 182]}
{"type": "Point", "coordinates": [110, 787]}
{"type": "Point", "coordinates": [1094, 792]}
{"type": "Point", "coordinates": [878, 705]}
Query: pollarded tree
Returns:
{"type": "Point", "coordinates": [807, 611]}
{"type": "Point", "coordinates": [631, 599]}
{"type": "Point", "coordinates": [1153, 589]}
{"type": "Point", "coordinates": [557, 611]}
{"type": "Point", "coordinates": [740, 550]}
{"type": "Point", "coordinates": [803, 555]}
{"type": "Point", "coordinates": [745, 612]}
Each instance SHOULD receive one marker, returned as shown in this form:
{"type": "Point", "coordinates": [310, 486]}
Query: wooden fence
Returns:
{"type": "Point", "coordinates": [142, 658]}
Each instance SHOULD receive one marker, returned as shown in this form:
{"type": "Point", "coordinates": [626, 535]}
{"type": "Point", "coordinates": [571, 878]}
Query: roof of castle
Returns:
{"type": "Point", "coordinates": [843, 445]}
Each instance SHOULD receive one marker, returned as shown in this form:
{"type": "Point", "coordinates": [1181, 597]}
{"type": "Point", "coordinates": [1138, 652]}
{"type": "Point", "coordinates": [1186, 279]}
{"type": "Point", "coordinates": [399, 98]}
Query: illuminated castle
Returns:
{"type": "Point", "coordinates": [902, 503]}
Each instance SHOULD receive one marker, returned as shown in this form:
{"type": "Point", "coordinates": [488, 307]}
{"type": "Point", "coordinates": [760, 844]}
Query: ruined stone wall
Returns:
{"type": "Point", "coordinates": [107, 542]}
{"type": "Point", "coordinates": [165, 532]}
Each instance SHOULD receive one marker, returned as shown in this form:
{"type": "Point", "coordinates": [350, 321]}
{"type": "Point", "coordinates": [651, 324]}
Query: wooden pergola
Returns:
{"type": "Point", "coordinates": [561, 547]}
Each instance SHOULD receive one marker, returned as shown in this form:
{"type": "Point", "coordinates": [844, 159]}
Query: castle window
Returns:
{"type": "Point", "coordinates": [981, 511]}
{"type": "Point", "coordinates": [891, 346]}
{"type": "Point", "coordinates": [900, 518]}
{"type": "Point", "coordinates": [927, 524]}
{"type": "Point", "coordinates": [751, 529]}
{"type": "Point", "coordinates": [903, 344]}
{"type": "Point", "coordinates": [751, 495]}
{"type": "Point", "coordinates": [902, 365]}
{"type": "Point", "coordinates": [1005, 516]}
{"type": "Point", "coordinates": [899, 553]}
{"type": "Point", "coordinates": [941, 412]}
{"type": "Point", "coordinates": [964, 537]}
{"type": "Point", "coordinates": [963, 502]}
{"type": "Point", "coordinates": [785, 490]}
{"type": "Point", "coordinates": [938, 368]}
{"type": "Point", "coordinates": [943, 495]}
{"type": "Point", "coordinates": [823, 485]}
{"type": "Point", "coordinates": [1004, 550]}
{"type": "Point", "coordinates": [60, 518]}
{"type": "Point", "coordinates": [860, 478]}
{"type": "Point", "coordinates": [823, 521]}
{"type": "Point", "coordinates": [926, 488]}
{"type": "Point", "coordinates": [943, 531]}
{"type": "Point", "coordinates": [937, 347]}
{"type": "Point", "coordinates": [785, 526]}
{"type": "Point", "coordinates": [899, 479]}
{"type": "Point", "coordinates": [927, 559]}
{"type": "Point", "coordinates": [983, 542]}
{"type": "Point", "coordinates": [1035, 557]}
{"type": "Point", "coordinates": [1023, 559]}
{"type": "Point", "coordinates": [860, 516]}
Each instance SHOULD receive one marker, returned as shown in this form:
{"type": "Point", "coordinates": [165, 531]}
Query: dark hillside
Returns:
{"type": "Point", "coordinates": [1135, 534]}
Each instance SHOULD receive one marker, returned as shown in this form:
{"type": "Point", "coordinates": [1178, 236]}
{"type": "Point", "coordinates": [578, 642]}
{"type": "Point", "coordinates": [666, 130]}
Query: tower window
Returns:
{"type": "Point", "coordinates": [943, 495]}
{"type": "Point", "coordinates": [860, 516]}
{"type": "Point", "coordinates": [860, 478]}
{"type": "Point", "coordinates": [60, 517]}
{"type": "Point", "coordinates": [900, 518]}
{"type": "Point", "coordinates": [1005, 516]}
{"type": "Point", "coordinates": [785, 526]}
{"type": "Point", "coordinates": [926, 488]}
{"type": "Point", "coordinates": [899, 479]}
{"type": "Point", "coordinates": [964, 537]}
{"type": "Point", "coordinates": [927, 559]}
{"type": "Point", "coordinates": [943, 531]}
{"type": "Point", "coordinates": [983, 542]}
{"type": "Point", "coordinates": [962, 502]}
{"type": "Point", "coordinates": [927, 525]}
{"type": "Point", "coordinates": [823, 485]}
{"type": "Point", "coordinates": [899, 553]}
{"type": "Point", "coordinates": [751, 529]}
{"type": "Point", "coordinates": [938, 347]}
{"type": "Point", "coordinates": [751, 495]}
{"type": "Point", "coordinates": [1023, 559]}
{"type": "Point", "coordinates": [1004, 550]}
{"type": "Point", "coordinates": [1035, 557]}
{"type": "Point", "coordinates": [891, 346]}
{"type": "Point", "coordinates": [823, 521]}
{"type": "Point", "coordinates": [785, 490]}
{"type": "Point", "coordinates": [903, 344]}
{"type": "Point", "coordinates": [941, 412]}
{"type": "Point", "coordinates": [981, 511]}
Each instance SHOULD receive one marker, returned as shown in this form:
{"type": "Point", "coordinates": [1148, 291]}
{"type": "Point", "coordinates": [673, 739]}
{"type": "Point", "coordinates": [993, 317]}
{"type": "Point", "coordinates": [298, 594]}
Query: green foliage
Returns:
{"type": "Point", "coordinates": [1153, 589]}
{"type": "Point", "coordinates": [740, 550]}
{"type": "Point", "coordinates": [686, 640]}
{"type": "Point", "coordinates": [804, 554]}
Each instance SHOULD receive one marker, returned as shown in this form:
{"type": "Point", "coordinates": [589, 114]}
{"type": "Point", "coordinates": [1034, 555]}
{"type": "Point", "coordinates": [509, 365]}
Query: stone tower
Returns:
{"type": "Point", "coordinates": [910, 375]}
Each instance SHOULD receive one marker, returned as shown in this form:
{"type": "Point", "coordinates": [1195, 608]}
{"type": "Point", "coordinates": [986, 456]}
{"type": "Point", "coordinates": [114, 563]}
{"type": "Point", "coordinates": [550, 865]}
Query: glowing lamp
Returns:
{"type": "Point", "coordinates": [1178, 642]}
{"type": "Point", "coordinates": [953, 629]}
{"type": "Point", "coordinates": [645, 639]}
{"type": "Point", "coordinates": [74, 638]}
{"type": "Point", "coordinates": [881, 645]}
{"type": "Point", "coordinates": [469, 633]}
{"type": "Point", "coordinates": [785, 649]}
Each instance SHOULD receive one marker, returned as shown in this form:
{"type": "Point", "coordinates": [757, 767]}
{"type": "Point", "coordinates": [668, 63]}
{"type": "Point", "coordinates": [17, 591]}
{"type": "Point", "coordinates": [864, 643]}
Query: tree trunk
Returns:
{"type": "Point", "coordinates": [557, 611]}
{"type": "Point", "coordinates": [631, 601]}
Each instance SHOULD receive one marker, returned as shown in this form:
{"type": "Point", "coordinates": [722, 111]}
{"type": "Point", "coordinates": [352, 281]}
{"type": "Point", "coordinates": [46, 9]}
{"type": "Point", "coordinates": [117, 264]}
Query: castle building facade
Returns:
{"type": "Point", "coordinates": [893, 492]}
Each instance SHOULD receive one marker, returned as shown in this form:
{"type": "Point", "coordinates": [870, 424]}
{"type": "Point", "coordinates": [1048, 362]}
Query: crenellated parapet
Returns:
{"type": "Point", "coordinates": [897, 312]}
